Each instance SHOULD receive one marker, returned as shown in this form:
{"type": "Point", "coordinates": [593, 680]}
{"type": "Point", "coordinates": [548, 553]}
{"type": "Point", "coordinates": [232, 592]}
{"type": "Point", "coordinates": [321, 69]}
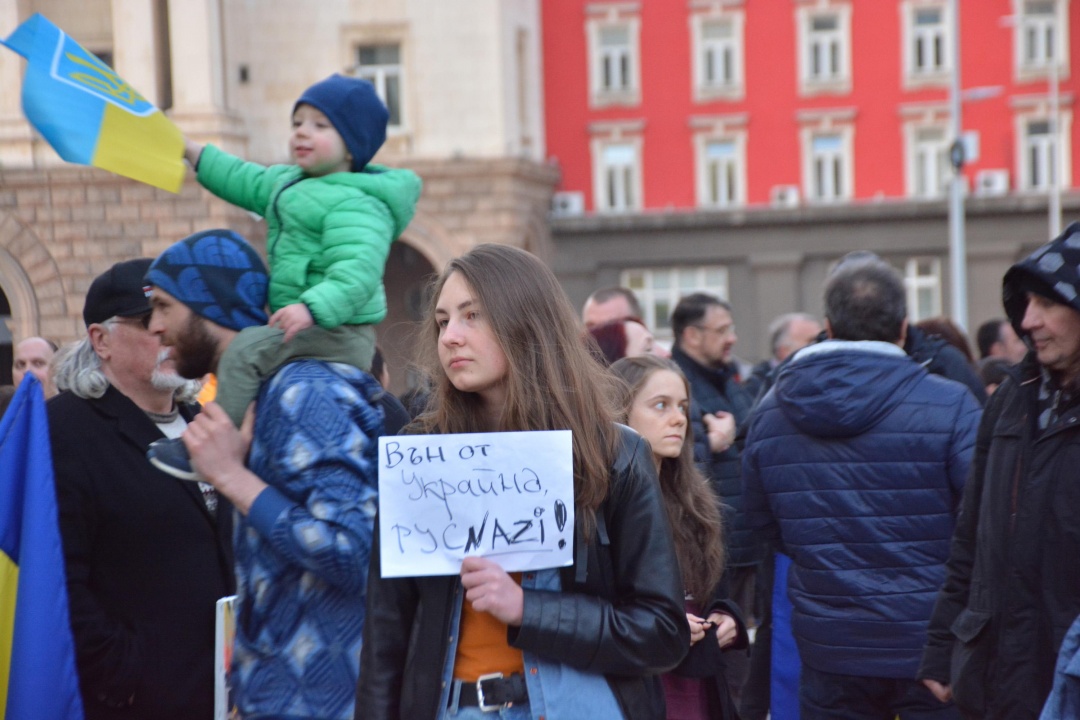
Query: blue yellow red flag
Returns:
{"type": "Point", "coordinates": [38, 680]}
{"type": "Point", "coordinates": [89, 114]}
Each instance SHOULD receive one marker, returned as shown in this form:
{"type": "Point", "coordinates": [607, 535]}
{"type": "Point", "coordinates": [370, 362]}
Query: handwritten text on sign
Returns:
{"type": "Point", "coordinates": [506, 496]}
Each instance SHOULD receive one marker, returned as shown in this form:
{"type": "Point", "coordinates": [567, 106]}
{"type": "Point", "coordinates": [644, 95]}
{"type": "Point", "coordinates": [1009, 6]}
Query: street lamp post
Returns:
{"type": "Point", "coordinates": [957, 244]}
{"type": "Point", "coordinates": [1054, 201]}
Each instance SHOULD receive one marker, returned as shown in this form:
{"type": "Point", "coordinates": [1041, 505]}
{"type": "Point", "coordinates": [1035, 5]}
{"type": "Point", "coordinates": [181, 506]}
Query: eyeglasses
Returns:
{"type": "Point", "coordinates": [142, 319]}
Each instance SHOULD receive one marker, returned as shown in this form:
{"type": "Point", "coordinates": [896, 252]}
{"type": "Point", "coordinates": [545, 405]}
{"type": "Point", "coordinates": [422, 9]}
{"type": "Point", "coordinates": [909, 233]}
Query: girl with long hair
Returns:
{"type": "Point", "coordinates": [654, 401]}
{"type": "Point", "coordinates": [504, 352]}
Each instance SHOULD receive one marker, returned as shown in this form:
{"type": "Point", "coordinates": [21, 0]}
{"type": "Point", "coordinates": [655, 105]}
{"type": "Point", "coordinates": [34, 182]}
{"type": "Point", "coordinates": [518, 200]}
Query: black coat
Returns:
{"type": "Point", "coordinates": [713, 390]}
{"type": "Point", "coordinates": [941, 358]}
{"type": "Point", "coordinates": [623, 615]}
{"type": "Point", "coordinates": [145, 560]}
{"type": "Point", "coordinates": [706, 660]}
{"type": "Point", "coordinates": [1013, 587]}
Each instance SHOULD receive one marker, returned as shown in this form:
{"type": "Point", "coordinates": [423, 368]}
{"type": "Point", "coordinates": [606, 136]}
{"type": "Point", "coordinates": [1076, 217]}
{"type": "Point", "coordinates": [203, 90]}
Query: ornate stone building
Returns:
{"type": "Point", "coordinates": [462, 80]}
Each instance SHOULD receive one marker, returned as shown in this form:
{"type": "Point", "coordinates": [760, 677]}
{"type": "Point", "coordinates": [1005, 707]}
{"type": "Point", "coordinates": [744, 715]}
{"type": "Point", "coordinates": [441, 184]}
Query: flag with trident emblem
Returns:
{"type": "Point", "coordinates": [88, 114]}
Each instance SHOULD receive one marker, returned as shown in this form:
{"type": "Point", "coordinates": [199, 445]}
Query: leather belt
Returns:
{"type": "Point", "coordinates": [493, 691]}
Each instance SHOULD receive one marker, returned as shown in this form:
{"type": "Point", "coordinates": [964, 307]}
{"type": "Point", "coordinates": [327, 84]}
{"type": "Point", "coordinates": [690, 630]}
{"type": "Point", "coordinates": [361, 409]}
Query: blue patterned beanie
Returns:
{"type": "Point", "coordinates": [218, 275]}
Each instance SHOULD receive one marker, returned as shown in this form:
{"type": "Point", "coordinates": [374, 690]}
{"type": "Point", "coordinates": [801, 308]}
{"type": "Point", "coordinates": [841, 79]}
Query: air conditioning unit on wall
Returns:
{"type": "Point", "coordinates": [567, 204]}
{"type": "Point", "coordinates": [784, 196]}
{"type": "Point", "coordinates": [991, 183]}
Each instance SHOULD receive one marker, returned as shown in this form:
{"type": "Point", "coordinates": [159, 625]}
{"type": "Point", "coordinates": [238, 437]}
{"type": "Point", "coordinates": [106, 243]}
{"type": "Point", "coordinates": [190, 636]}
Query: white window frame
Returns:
{"type": "Point", "coordinates": [914, 75]}
{"type": "Point", "coordinates": [378, 75]}
{"type": "Point", "coordinates": [734, 46]}
{"type": "Point", "coordinates": [627, 177]}
{"type": "Point", "coordinates": [936, 153]}
{"type": "Point", "coordinates": [711, 279]}
{"type": "Point", "coordinates": [832, 83]}
{"type": "Point", "coordinates": [599, 95]}
{"type": "Point", "coordinates": [916, 282]}
{"type": "Point", "coordinates": [1027, 26]}
{"type": "Point", "coordinates": [842, 162]}
{"type": "Point", "coordinates": [705, 168]}
{"type": "Point", "coordinates": [1026, 144]}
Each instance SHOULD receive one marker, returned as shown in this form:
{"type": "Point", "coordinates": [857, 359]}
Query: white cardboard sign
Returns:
{"type": "Point", "coordinates": [506, 496]}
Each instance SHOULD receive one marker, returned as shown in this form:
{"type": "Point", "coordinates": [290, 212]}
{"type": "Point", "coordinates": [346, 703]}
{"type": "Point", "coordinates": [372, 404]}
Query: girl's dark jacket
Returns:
{"type": "Point", "coordinates": [620, 613]}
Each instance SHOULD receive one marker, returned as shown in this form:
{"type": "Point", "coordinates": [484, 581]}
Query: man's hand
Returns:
{"type": "Point", "coordinates": [726, 628]}
{"type": "Point", "coordinates": [292, 319]}
{"type": "Point", "coordinates": [720, 427]}
{"type": "Point", "coordinates": [490, 589]}
{"type": "Point", "coordinates": [941, 692]}
{"type": "Point", "coordinates": [218, 449]}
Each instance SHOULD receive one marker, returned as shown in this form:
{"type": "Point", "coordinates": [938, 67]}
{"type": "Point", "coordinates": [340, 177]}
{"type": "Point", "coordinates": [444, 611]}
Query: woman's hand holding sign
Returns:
{"type": "Point", "coordinates": [490, 589]}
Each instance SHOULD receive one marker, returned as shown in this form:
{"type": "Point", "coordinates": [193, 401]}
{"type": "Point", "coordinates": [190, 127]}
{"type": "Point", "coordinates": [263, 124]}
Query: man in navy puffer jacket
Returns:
{"type": "Point", "coordinates": [858, 456]}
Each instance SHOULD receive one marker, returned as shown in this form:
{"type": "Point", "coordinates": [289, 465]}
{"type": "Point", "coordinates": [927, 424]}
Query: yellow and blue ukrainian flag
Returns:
{"type": "Point", "coordinates": [38, 680]}
{"type": "Point", "coordinates": [89, 114]}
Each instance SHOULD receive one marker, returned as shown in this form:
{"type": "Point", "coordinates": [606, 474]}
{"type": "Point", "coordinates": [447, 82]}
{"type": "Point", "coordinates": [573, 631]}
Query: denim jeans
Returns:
{"type": "Point", "coordinates": [825, 696]}
{"type": "Point", "coordinates": [518, 711]}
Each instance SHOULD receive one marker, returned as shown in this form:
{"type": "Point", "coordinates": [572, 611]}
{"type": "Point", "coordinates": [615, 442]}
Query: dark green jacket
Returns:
{"type": "Point", "coordinates": [327, 237]}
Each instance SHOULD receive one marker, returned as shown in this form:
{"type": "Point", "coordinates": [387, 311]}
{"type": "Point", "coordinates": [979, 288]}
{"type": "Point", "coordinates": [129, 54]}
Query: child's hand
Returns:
{"type": "Point", "coordinates": [192, 151]}
{"type": "Point", "coordinates": [292, 319]}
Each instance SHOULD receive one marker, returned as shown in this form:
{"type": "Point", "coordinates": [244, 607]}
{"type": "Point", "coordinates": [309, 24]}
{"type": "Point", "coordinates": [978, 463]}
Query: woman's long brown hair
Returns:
{"type": "Point", "coordinates": [553, 382]}
{"type": "Point", "coordinates": [692, 507]}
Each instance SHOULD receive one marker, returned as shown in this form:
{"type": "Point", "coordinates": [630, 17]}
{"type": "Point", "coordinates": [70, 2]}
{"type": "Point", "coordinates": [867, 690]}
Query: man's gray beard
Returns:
{"type": "Point", "coordinates": [165, 380]}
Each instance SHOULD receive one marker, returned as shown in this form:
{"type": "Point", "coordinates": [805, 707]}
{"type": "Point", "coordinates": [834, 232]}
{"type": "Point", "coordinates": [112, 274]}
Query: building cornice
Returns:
{"type": "Point", "coordinates": [762, 215]}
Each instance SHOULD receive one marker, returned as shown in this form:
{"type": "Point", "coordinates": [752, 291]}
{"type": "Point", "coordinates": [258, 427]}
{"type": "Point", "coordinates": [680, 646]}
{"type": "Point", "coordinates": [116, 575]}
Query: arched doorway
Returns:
{"type": "Point", "coordinates": [6, 353]}
{"type": "Point", "coordinates": [408, 276]}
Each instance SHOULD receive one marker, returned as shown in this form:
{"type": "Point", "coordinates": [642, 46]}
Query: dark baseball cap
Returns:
{"type": "Point", "coordinates": [120, 291]}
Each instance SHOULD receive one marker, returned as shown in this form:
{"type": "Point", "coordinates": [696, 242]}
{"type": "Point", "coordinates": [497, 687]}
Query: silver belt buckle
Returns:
{"type": "Point", "coordinates": [480, 692]}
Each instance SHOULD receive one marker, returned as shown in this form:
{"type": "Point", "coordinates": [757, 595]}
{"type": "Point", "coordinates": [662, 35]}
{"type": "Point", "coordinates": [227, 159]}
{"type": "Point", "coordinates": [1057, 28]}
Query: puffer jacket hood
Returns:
{"type": "Point", "coordinates": [841, 388]}
{"type": "Point", "coordinates": [1052, 271]}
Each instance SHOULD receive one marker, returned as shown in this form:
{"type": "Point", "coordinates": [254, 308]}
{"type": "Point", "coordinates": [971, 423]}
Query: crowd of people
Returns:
{"type": "Point", "coordinates": [907, 507]}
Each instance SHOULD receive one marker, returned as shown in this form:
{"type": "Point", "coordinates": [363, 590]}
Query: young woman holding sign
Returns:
{"type": "Point", "coordinates": [654, 401]}
{"type": "Point", "coordinates": [505, 353]}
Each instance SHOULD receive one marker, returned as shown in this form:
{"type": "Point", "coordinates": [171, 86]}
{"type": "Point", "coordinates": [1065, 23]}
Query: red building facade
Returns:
{"type": "Point", "coordinates": [683, 104]}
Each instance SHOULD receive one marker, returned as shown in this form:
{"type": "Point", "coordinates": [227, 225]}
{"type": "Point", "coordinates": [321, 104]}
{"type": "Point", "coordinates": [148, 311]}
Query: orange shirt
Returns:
{"type": "Point", "coordinates": [482, 646]}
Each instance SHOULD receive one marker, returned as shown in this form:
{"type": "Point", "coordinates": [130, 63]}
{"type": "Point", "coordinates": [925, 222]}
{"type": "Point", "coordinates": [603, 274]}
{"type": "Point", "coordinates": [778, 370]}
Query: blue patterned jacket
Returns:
{"type": "Point", "coordinates": [302, 552]}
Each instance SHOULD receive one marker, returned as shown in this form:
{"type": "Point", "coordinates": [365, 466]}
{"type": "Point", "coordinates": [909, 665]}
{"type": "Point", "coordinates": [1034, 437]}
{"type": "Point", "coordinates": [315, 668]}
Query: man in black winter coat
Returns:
{"type": "Point", "coordinates": [146, 556]}
{"type": "Point", "coordinates": [1012, 588]}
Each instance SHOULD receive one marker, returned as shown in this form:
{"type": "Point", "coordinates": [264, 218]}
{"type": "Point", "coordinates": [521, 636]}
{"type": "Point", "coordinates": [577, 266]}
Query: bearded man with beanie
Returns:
{"type": "Point", "coordinates": [1012, 588]}
{"type": "Point", "coordinates": [305, 502]}
{"type": "Point", "coordinates": [331, 217]}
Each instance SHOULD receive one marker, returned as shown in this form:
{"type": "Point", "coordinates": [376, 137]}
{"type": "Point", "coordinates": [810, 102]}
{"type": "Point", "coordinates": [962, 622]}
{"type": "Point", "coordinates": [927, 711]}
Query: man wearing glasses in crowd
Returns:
{"type": "Point", "coordinates": [705, 339]}
{"type": "Point", "coordinates": [146, 555]}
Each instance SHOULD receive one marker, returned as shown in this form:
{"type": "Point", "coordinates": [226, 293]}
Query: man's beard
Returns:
{"type": "Point", "coordinates": [165, 379]}
{"type": "Point", "coordinates": [195, 350]}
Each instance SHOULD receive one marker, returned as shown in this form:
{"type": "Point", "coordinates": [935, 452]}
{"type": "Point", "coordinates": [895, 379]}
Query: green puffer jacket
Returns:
{"type": "Point", "coordinates": [327, 237]}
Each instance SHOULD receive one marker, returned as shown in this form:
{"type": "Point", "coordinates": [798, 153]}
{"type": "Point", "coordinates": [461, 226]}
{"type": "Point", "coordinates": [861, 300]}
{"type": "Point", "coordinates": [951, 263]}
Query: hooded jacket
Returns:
{"type": "Point", "coordinates": [328, 237]}
{"type": "Point", "coordinates": [858, 456]}
{"type": "Point", "coordinates": [1013, 588]}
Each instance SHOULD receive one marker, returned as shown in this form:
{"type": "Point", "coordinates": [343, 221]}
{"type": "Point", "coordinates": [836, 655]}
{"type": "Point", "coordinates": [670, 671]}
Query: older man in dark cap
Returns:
{"type": "Point", "coordinates": [147, 556]}
{"type": "Point", "coordinates": [1013, 588]}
